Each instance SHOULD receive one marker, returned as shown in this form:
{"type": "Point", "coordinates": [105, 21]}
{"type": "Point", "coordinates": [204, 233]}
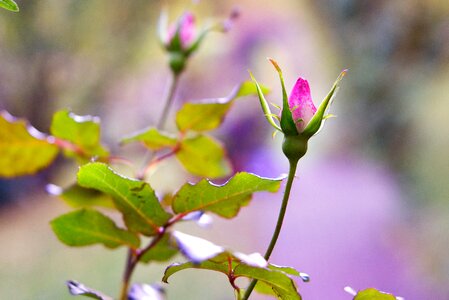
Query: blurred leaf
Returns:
{"type": "Point", "coordinates": [23, 149]}
{"type": "Point", "coordinates": [209, 114]}
{"type": "Point", "coordinates": [152, 139]}
{"type": "Point", "coordinates": [77, 289]}
{"type": "Point", "coordinates": [9, 5]}
{"type": "Point", "coordinates": [204, 156]}
{"type": "Point", "coordinates": [86, 227]}
{"type": "Point", "coordinates": [373, 294]}
{"type": "Point", "coordinates": [282, 285]}
{"type": "Point", "coordinates": [82, 131]}
{"type": "Point", "coordinates": [78, 196]}
{"type": "Point", "coordinates": [201, 116]}
{"type": "Point", "coordinates": [248, 88]}
{"type": "Point", "coordinates": [162, 251]}
{"type": "Point", "coordinates": [224, 200]}
{"type": "Point", "coordinates": [146, 292]}
{"type": "Point", "coordinates": [141, 209]}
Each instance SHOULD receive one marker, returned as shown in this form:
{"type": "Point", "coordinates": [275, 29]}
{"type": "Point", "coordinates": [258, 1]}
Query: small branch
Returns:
{"type": "Point", "coordinates": [277, 230]}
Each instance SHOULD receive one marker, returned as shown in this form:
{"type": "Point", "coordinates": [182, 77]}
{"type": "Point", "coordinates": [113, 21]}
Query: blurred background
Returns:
{"type": "Point", "coordinates": [370, 205]}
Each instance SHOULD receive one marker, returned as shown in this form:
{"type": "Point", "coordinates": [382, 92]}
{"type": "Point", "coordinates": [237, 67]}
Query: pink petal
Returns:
{"type": "Point", "coordinates": [301, 104]}
{"type": "Point", "coordinates": [187, 29]}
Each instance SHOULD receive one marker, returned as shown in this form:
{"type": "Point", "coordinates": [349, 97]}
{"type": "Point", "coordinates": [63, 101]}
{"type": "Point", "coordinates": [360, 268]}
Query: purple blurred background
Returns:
{"type": "Point", "coordinates": [370, 205]}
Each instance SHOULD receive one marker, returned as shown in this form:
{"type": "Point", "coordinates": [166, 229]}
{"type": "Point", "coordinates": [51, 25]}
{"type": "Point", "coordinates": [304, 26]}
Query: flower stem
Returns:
{"type": "Point", "coordinates": [277, 230]}
{"type": "Point", "coordinates": [168, 100]}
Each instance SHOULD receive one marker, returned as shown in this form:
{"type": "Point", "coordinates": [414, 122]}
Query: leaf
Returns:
{"type": "Point", "coordinates": [23, 149]}
{"type": "Point", "coordinates": [204, 156]}
{"type": "Point", "coordinates": [77, 289]}
{"type": "Point", "coordinates": [240, 265]}
{"type": "Point", "coordinates": [162, 251]}
{"type": "Point", "coordinates": [9, 5]}
{"type": "Point", "coordinates": [210, 113]}
{"type": "Point", "coordinates": [373, 294]}
{"type": "Point", "coordinates": [137, 201]}
{"type": "Point", "coordinates": [282, 285]}
{"type": "Point", "coordinates": [82, 131]}
{"type": "Point", "coordinates": [264, 288]}
{"type": "Point", "coordinates": [224, 200]}
{"type": "Point", "coordinates": [153, 139]}
{"type": "Point", "coordinates": [86, 227]}
{"type": "Point", "coordinates": [146, 292]}
{"type": "Point", "coordinates": [81, 197]}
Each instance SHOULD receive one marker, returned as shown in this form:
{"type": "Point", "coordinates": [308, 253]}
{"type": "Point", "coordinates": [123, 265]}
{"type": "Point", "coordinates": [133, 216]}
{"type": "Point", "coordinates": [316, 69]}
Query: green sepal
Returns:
{"type": "Point", "coordinates": [264, 104]}
{"type": "Point", "coordinates": [287, 123]}
{"type": "Point", "coordinates": [316, 122]}
{"type": "Point", "coordinates": [294, 147]}
{"type": "Point", "coordinates": [9, 5]}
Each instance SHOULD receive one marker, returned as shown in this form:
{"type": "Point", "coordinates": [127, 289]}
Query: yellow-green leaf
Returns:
{"type": "Point", "coordinates": [203, 156]}
{"type": "Point", "coordinates": [373, 294]}
{"type": "Point", "coordinates": [224, 200]}
{"type": "Point", "coordinates": [86, 227]}
{"type": "Point", "coordinates": [153, 139]}
{"type": "Point", "coordinates": [210, 113]}
{"type": "Point", "coordinates": [82, 131]}
{"type": "Point", "coordinates": [9, 5]}
{"type": "Point", "coordinates": [78, 196]}
{"type": "Point", "coordinates": [23, 149]}
{"type": "Point", "coordinates": [137, 201]}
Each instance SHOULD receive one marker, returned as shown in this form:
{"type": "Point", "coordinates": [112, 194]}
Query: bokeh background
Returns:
{"type": "Point", "coordinates": [370, 205]}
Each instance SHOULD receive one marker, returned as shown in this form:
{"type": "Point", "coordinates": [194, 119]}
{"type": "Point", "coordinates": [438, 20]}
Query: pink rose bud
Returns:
{"type": "Point", "coordinates": [301, 104]}
{"type": "Point", "coordinates": [185, 28]}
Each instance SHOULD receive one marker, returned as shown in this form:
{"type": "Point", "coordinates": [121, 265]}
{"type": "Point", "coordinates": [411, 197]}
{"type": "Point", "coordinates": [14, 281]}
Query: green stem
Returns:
{"type": "Point", "coordinates": [277, 230]}
{"type": "Point", "coordinates": [168, 100]}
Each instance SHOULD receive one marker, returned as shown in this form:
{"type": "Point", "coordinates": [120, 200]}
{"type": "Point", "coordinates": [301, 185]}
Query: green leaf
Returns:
{"type": "Point", "coordinates": [82, 131]}
{"type": "Point", "coordinates": [86, 227]}
{"type": "Point", "coordinates": [80, 197]}
{"type": "Point", "coordinates": [163, 251]}
{"type": "Point", "coordinates": [77, 289]}
{"type": "Point", "coordinates": [23, 149]}
{"type": "Point", "coordinates": [241, 265]}
{"type": "Point", "coordinates": [137, 201]}
{"type": "Point", "coordinates": [264, 288]}
{"type": "Point", "coordinates": [373, 294]}
{"type": "Point", "coordinates": [224, 200]}
{"type": "Point", "coordinates": [204, 156]}
{"type": "Point", "coordinates": [282, 285]}
{"type": "Point", "coordinates": [201, 116]}
{"type": "Point", "coordinates": [210, 113]}
{"type": "Point", "coordinates": [153, 139]}
{"type": "Point", "coordinates": [9, 5]}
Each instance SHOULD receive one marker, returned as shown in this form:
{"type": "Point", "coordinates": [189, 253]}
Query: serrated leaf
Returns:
{"type": "Point", "coordinates": [79, 289]}
{"type": "Point", "coordinates": [82, 131]}
{"type": "Point", "coordinates": [9, 5]}
{"type": "Point", "coordinates": [153, 139]}
{"type": "Point", "coordinates": [23, 149]}
{"type": "Point", "coordinates": [264, 288]}
{"type": "Point", "coordinates": [86, 227]}
{"type": "Point", "coordinates": [137, 201]}
{"type": "Point", "coordinates": [373, 294]}
{"type": "Point", "coordinates": [231, 264]}
{"type": "Point", "coordinates": [203, 156]}
{"type": "Point", "coordinates": [162, 251]}
{"type": "Point", "coordinates": [282, 285]}
{"type": "Point", "coordinates": [81, 197]}
{"type": "Point", "coordinates": [210, 113]}
{"type": "Point", "coordinates": [146, 292]}
{"type": "Point", "coordinates": [224, 200]}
